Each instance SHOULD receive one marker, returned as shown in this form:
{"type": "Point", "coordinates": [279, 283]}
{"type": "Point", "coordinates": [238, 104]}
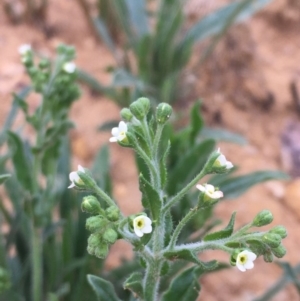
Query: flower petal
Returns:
{"type": "Point", "coordinates": [249, 265]}
{"type": "Point", "coordinates": [115, 132]}
{"type": "Point", "coordinates": [217, 194]}
{"type": "Point", "coordinates": [113, 139]}
{"type": "Point", "coordinates": [240, 267]}
{"type": "Point", "coordinates": [73, 176]}
{"type": "Point", "coordinates": [229, 165]}
{"type": "Point", "coordinates": [252, 256]}
{"type": "Point", "coordinates": [147, 229]}
{"type": "Point", "coordinates": [122, 126]}
{"type": "Point", "coordinates": [80, 168]}
{"type": "Point", "coordinates": [138, 232]}
{"type": "Point", "coordinates": [200, 187]}
{"type": "Point", "coordinates": [72, 185]}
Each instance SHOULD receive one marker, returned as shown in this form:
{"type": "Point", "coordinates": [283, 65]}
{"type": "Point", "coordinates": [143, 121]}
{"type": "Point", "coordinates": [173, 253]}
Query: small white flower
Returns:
{"type": "Point", "coordinates": [69, 67]}
{"type": "Point", "coordinates": [141, 225]}
{"type": "Point", "coordinates": [74, 177]}
{"type": "Point", "coordinates": [24, 49]}
{"type": "Point", "coordinates": [222, 162]}
{"type": "Point", "coordinates": [244, 260]}
{"type": "Point", "coordinates": [209, 191]}
{"type": "Point", "coordinates": [119, 133]}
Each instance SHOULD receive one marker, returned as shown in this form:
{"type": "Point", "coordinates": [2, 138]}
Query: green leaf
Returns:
{"type": "Point", "coordinates": [189, 165]}
{"type": "Point", "coordinates": [108, 125]}
{"type": "Point", "coordinates": [4, 177]}
{"type": "Point", "coordinates": [21, 161]}
{"type": "Point", "coordinates": [163, 166]}
{"type": "Point", "coordinates": [188, 255]}
{"type": "Point", "coordinates": [215, 23]}
{"type": "Point", "coordinates": [103, 289]}
{"type": "Point", "coordinates": [196, 122]}
{"type": "Point", "coordinates": [101, 169]}
{"type": "Point", "coordinates": [150, 198]}
{"type": "Point", "coordinates": [233, 187]}
{"type": "Point", "coordinates": [104, 35]}
{"type": "Point", "coordinates": [185, 286]}
{"type": "Point", "coordinates": [223, 135]}
{"type": "Point", "coordinates": [138, 16]}
{"type": "Point", "coordinates": [226, 232]}
{"type": "Point", "coordinates": [134, 283]}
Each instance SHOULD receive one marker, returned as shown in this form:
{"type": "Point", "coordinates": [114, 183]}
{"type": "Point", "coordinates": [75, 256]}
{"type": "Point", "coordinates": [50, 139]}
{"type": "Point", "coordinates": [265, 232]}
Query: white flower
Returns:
{"type": "Point", "coordinates": [69, 67]}
{"type": "Point", "coordinates": [209, 191]}
{"type": "Point", "coordinates": [119, 133]}
{"type": "Point", "coordinates": [222, 162]}
{"type": "Point", "coordinates": [141, 225]}
{"type": "Point", "coordinates": [24, 49]}
{"type": "Point", "coordinates": [244, 260]}
{"type": "Point", "coordinates": [74, 177]}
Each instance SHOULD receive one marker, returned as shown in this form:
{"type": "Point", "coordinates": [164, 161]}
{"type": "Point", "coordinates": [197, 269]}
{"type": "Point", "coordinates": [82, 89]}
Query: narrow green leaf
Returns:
{"type": "Point", "coordinates": [222, 135]}
{"type": "Point", "coordinates": [21, 161]}
{"type": "Point", "coordinates": [226, 232]}
{"type": "Point", "coordinates": [163, 166]}
{"type": "Point", "coordinates": [103, 289]}
{"type": "Point", "coordinates": [215, 22]}
{"type": "Point", "coordinates": [190, 256]}
{"type": "Point", "coordinates": [134, 283]}
{"type": "Point", "coordinates": [4, 177]}
{"type": "Point", "coordinates": [138, 16]}
{"type": "Point", "coordinates": [189, 165]}
{"type": "Point", "coordinates": [104, 35]}
{"type": "Point", "coordinates": [196, 122]}
{"type": "Point", "coordinates": [233, 187]}
{"type": "Point", "coordinates": [185, 286]}
{"type": "Point", "coordinates": [150, 198]}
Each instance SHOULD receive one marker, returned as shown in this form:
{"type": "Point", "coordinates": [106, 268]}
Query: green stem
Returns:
{"type": "Point", "coordinates": [183, 191]}
{"type": "Point", "coordinates": [36, 262]}
{"type": "Point", "coordinates": [180, 226]}
{"type": "Point", "coordinates": [104, 196]}
{"type": "Point", "coordinates": [151, 280]}
{"type": "Point", "coordinates": [157, 138]}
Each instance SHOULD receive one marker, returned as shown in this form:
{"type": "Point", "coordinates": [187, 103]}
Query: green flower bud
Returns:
{"type": "Point", "coordinates": [271, 239]}
{"type": "Point", "coordinates": [268, 257]}
{"type": "Point", "coordinates": [163, 113]}
{"type": "Point", "coordinates": [88, 181]}
{"type": "Point", "coordinates": [110, 236]}
{"type": "Point", "coordinates": [263, 218]}
{"type": "Point", "coordinates": [95, 223]}
{"type": "Point", "coordinates": [91, 205]}
{"type": "Point", "coordinates": [126, 114]}
{"type": "Point", "coordinates": [279, 252]}
{"type": "Point", "coordinates": [112, 213]}
{"type": "Point", "coordinates": [44, 63]}
{"type": "Point", "coordinates": [140, 107]}
{"type": "Point", "coordinates": [280, 230]}
{"type": "Point", "coordinates": [94, 240]}
{"type": "Point", "coordinates": [101, 251]}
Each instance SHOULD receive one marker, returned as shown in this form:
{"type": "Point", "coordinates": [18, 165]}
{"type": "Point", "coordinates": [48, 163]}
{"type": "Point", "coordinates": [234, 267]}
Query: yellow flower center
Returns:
{"type": "Point", "coordinates": [242, 259]}
{"type": "Point", "coordinates": [140, 223]}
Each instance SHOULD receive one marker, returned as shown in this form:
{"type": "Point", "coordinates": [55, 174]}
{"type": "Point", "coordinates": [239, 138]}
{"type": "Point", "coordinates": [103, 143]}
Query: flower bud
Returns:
{"type": "Point", "coordinates": [279, 252]}
{"type": "Point", "coordinates": [94, 240]}
{"type": "Point", "coordinates": [140, 107]}
{"type": "Point", "coordinates": [163, 113]}
{"type": "Point", "coordinates": [271, 239]}
{"type": "Point", "coordinates": [126, 114]}
{"type": "Point", "coordinates": [95, 223]}
{"type": "Point", "coordinates": [280, 230]}
{"type": "Point", "coordinates": [91, 205]}
{"type": "Point", "coordinates": [112, 213]}
{"type": "Point", "coordinates": [101, 251]}
{"type": "Point", "coordinates": [88, 181]}
{"type": "Point", "coordinates": [268, 257]}
{"type": "Point", "coordinates": [263, 218]}
{"type": "Point", "coordinates": [110, 236]}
